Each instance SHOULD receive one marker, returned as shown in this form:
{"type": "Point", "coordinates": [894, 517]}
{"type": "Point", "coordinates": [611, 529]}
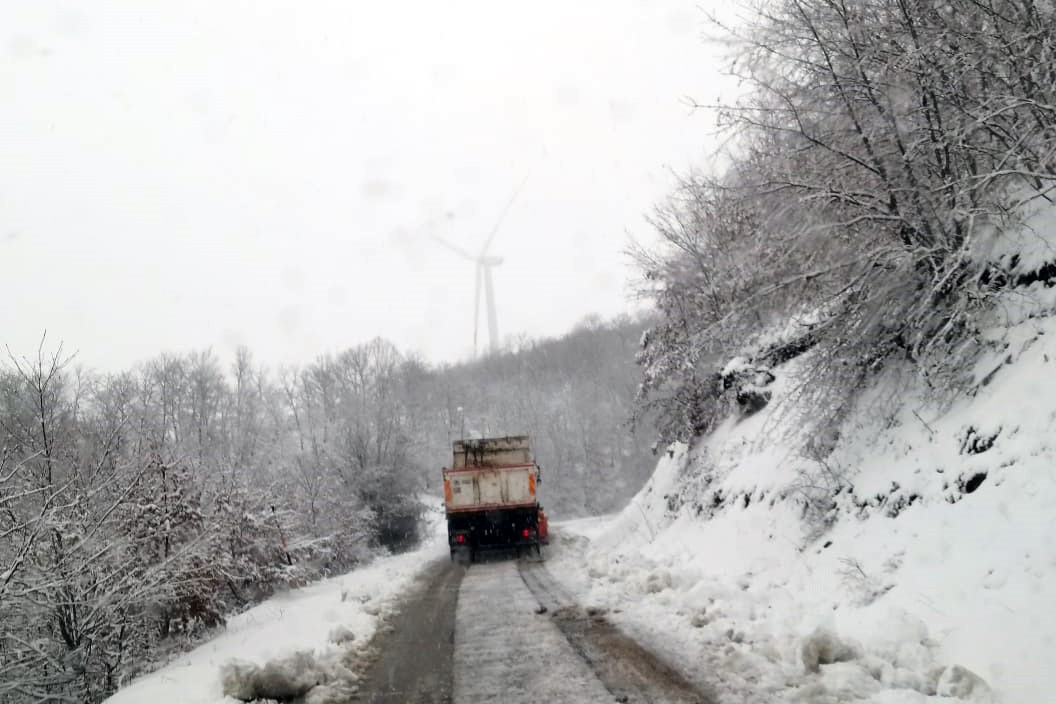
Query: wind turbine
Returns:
{"type": "Point", "coordinates": [484, 280]}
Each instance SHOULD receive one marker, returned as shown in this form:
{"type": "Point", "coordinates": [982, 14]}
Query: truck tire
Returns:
{"type": "Point", "coordinates": [462, 555]}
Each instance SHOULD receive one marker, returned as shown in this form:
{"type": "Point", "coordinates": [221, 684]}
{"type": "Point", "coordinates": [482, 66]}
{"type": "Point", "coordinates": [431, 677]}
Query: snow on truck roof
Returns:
{"type": "Point", "coordinates": [491, 452]}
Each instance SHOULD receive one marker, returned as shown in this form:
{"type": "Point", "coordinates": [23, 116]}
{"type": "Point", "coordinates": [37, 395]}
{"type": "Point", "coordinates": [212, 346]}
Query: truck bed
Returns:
{"type": "Point", "coordinates": [486, 488]}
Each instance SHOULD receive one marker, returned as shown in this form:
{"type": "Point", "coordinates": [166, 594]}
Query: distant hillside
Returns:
{"type": "Point", "coordinates": [575, 396]}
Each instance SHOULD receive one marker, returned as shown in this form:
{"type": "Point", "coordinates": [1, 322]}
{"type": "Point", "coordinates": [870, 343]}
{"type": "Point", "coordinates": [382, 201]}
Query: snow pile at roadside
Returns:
{"type": "Point", "coordinates": [291, 643]}
{"type": "Point", "coordinates": [932, 576]}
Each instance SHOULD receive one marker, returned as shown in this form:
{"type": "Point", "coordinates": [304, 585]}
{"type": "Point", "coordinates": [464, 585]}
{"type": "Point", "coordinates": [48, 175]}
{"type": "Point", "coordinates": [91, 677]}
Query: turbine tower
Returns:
{"type": "Point", "coordinates": [484, 280]}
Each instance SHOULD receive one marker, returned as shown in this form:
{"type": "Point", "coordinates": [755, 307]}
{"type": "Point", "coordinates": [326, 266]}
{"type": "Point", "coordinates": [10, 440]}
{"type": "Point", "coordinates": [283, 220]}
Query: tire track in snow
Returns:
{"type": "Point", "coordinates": [629, 672]}
{"type": "Point", "coordinates": [507, 652]}
{"type": "Point", "coordinates": [415, 647]}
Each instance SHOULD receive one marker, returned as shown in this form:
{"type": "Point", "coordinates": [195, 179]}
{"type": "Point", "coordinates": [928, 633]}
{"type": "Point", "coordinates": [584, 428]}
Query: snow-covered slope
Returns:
{"type": "Point", "coordinates": [932, 571]}
{"type": "Point", "coordinates": [305, 633]}
{"type": "Point", "coordinates": [316, 634]}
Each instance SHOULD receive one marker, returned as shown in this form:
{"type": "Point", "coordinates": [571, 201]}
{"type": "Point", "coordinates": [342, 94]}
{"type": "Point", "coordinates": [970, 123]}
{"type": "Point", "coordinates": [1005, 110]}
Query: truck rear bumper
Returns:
{"type": "Point", "coordinates": [493, 529]}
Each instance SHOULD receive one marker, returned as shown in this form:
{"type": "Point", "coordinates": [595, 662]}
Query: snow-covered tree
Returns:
{"type": "Point", "coordinates": [878, 143]}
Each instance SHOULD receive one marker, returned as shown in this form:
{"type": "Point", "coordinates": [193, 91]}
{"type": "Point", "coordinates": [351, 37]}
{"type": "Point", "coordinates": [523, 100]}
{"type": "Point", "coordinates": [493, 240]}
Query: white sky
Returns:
{"type": "Point", "coordinates": [183, 175]}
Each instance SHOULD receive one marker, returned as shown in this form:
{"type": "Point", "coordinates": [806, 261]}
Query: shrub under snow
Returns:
{"type": "Point", "coordinates": [301, 677]}
{"type": "Point", "coordinates": [282, 680]}
{"type": "Point", "coordinates": [957, 681]}
{"type": "Point", "coordinates": [341, 635]}
{"type": "Point", "coordinates": [822, 647]}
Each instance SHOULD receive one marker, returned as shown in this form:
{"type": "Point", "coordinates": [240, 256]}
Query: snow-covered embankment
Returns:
{"type": "Point", "coordinates": [931, 574]}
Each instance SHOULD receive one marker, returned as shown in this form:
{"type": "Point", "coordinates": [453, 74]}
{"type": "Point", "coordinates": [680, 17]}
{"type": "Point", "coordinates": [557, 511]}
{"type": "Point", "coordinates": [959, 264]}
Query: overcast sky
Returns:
{"type": "Point", "coordinates": [183, 175]}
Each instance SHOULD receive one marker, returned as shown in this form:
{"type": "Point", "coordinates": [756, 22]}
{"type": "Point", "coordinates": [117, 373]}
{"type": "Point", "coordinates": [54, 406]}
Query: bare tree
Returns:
{"type": "Point", "coordinates": [878, 143]}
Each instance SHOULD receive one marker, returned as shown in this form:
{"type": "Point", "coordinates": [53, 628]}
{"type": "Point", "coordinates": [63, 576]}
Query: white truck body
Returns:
{"type": "Point", "coordinates": [489, 494]}
{"type": "Point", "coordinates": [490, 473]}
{"type": "Point", "coordinates": [482, 488]}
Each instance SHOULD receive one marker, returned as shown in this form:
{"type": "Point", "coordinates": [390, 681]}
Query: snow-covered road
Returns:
{"type": "Point", "coordinates": [506, 651]}
{"type": "Point", "coordinates": [520, 637]}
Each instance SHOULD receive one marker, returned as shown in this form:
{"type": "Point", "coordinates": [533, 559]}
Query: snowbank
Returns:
{"type": "Point", "coordinates": [931, 575]}
{"type": "Point", "coordinates": [289, 643]}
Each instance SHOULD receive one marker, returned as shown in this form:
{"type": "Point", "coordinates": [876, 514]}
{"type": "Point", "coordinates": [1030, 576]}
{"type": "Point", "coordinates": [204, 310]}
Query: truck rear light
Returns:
{"type": "Point", "coordinates": [526, 532]}
{"type": "Point", "coordinates": [460, 538]}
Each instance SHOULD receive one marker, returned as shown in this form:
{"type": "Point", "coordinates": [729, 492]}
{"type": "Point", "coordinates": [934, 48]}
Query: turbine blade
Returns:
{"type": "Point", "coordinates": [455, 248]}
{"type": "Point", "coordinates": [502, 216]}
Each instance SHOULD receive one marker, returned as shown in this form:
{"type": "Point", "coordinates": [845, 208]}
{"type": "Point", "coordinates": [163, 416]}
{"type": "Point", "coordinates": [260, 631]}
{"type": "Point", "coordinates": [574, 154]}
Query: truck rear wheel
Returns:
{"type": "Point", "coordinates": [462, 555]}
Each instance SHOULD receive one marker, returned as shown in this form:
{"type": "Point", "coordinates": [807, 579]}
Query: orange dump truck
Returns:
{"type": "Point", "coordinates": [489, 496]}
